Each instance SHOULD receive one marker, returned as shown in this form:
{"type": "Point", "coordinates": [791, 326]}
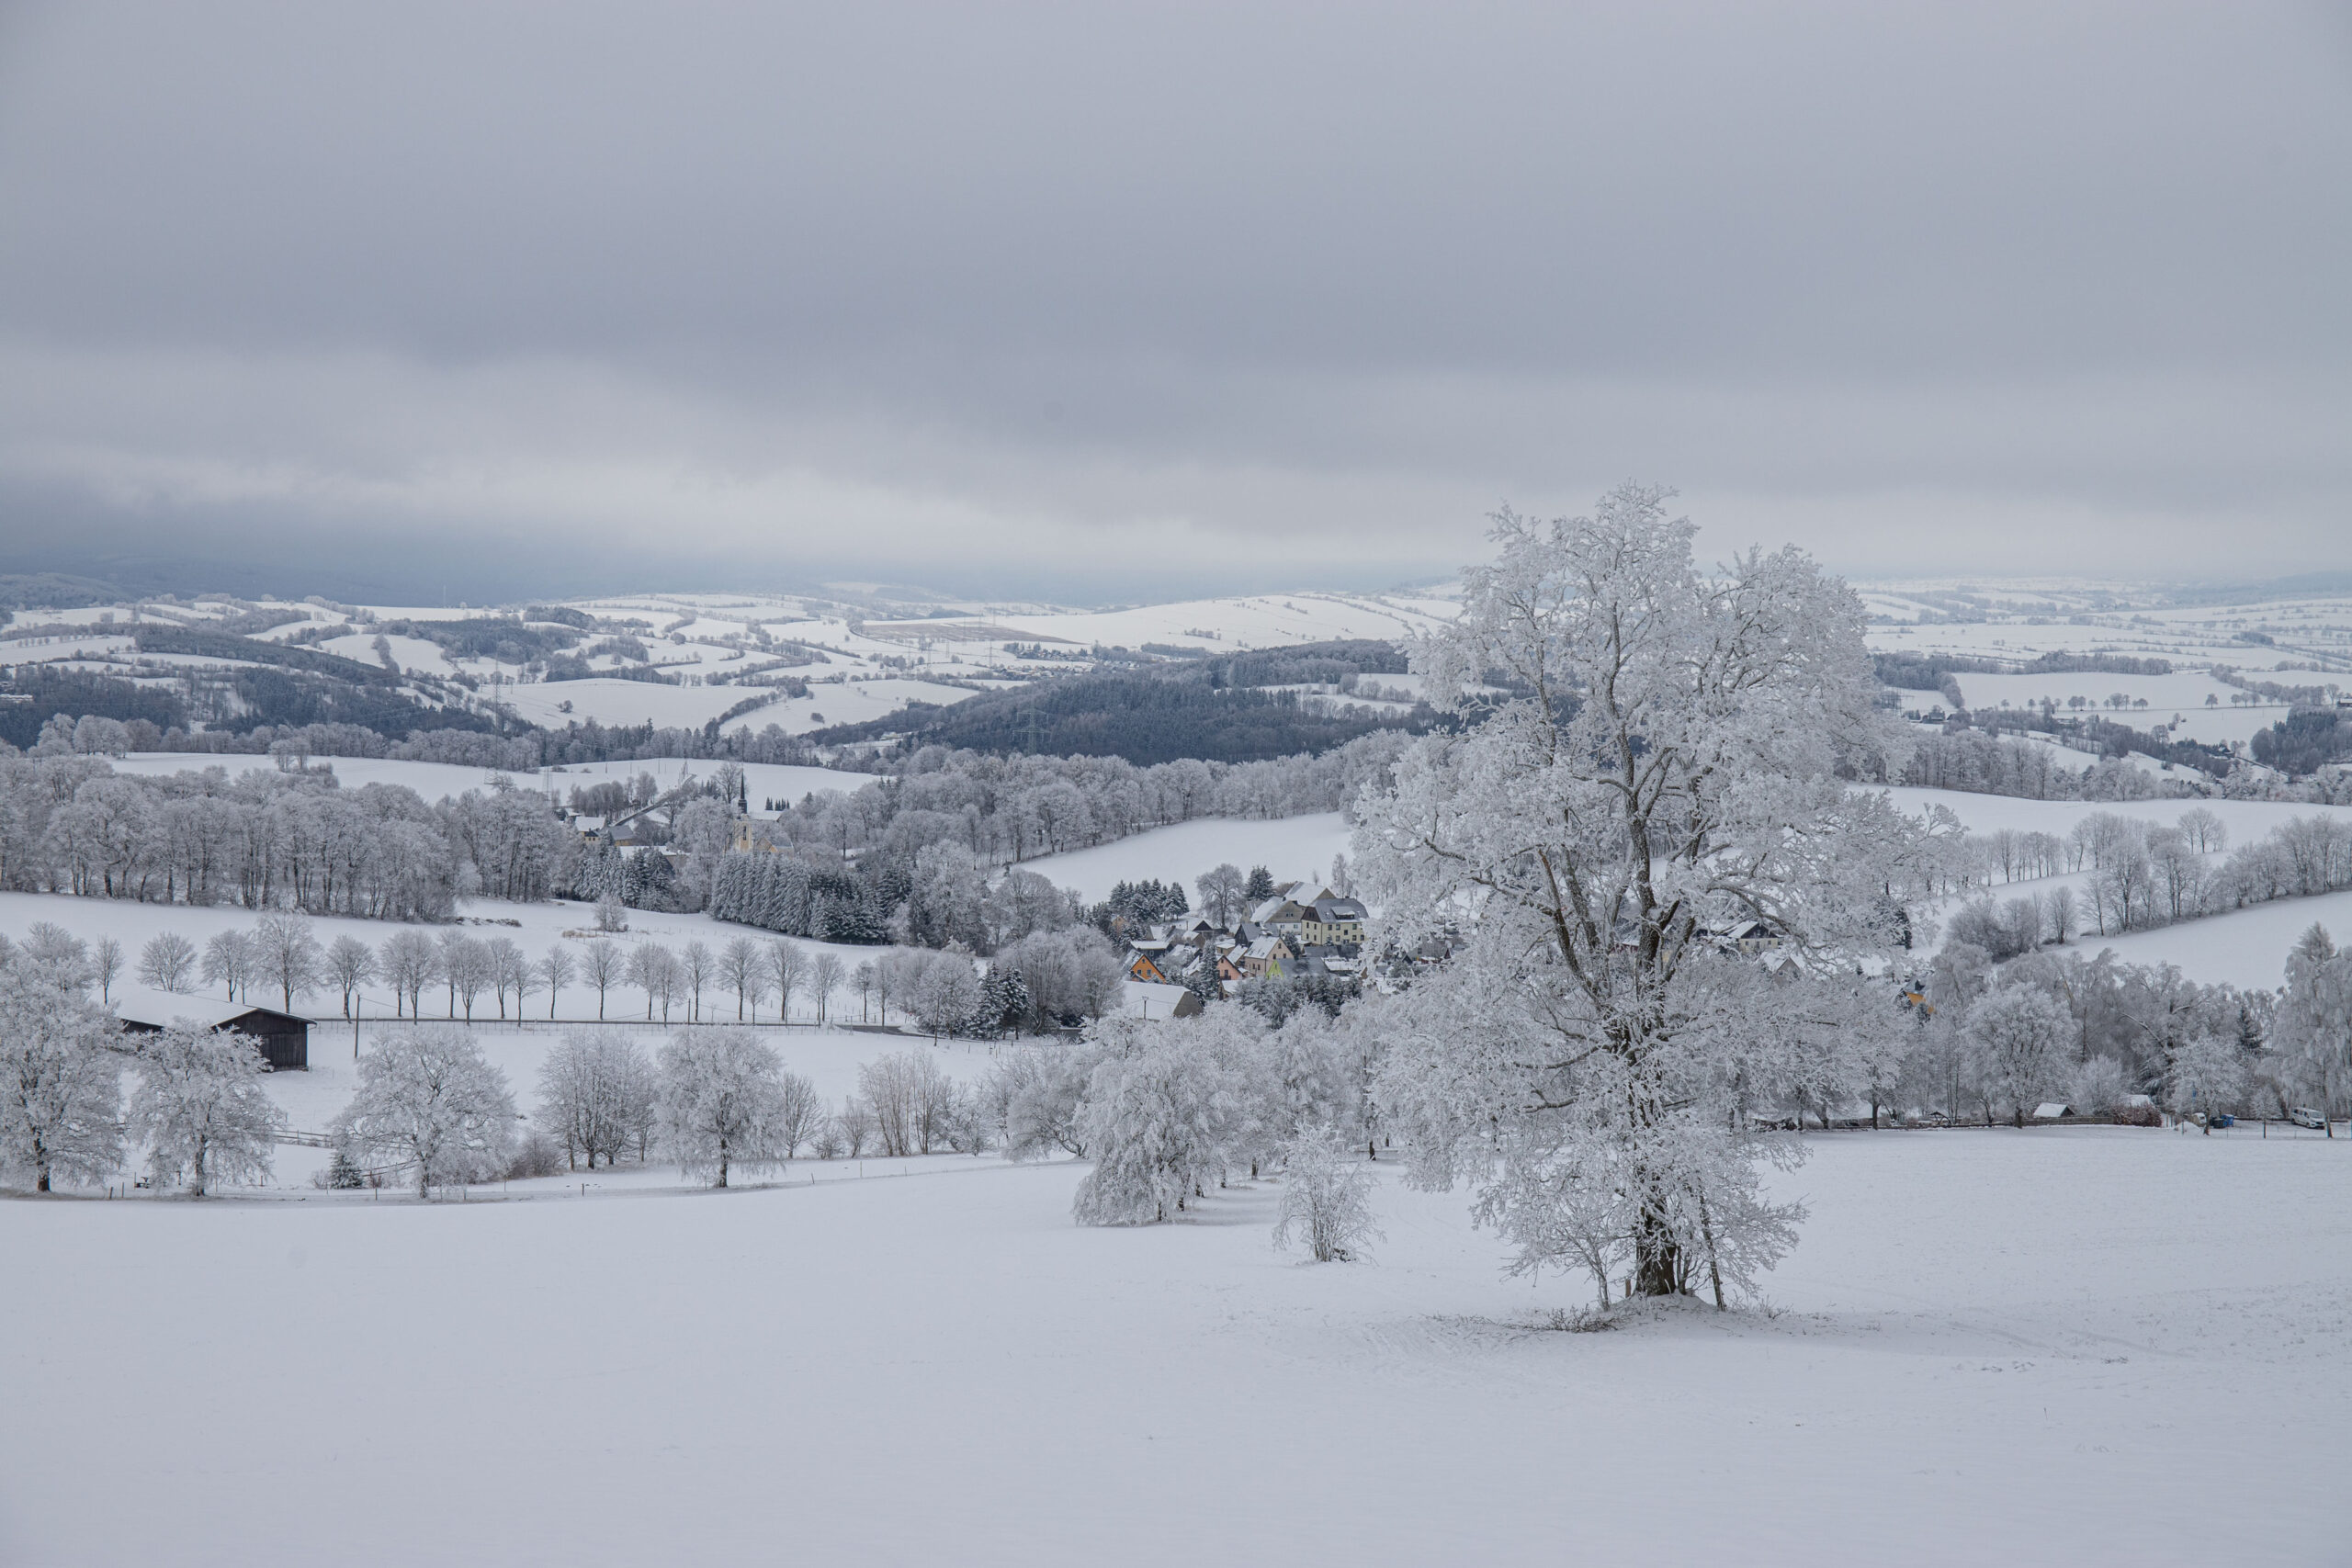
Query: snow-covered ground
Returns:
{"type": "Point", "coordinates": [1299, 847]}
{"type": "Point", "coordinates": [2246, 819]}
{"type": "Point", "coordinates": [1265, 620]}
{"type": "Point", "coordinates": [557, 702]}
{"type": "Point", "coordinates": [2246, 947]}
{"type": "Point", "coordinates": [2167, 694]}
{"type": "Point", "coordinates": [2080, 1347]}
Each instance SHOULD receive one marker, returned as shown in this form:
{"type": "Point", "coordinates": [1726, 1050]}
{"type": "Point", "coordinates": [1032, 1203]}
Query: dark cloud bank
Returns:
{"type": "Point", "coordinates": [1093, 301]}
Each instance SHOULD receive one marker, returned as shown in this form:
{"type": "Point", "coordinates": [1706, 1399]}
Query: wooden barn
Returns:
{"type": "Point", "coordinates": [283, 1038]}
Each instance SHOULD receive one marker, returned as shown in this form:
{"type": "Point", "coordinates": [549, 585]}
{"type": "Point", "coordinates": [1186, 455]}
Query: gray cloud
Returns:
{"type": "Point", "coordinates": [1094, 300]}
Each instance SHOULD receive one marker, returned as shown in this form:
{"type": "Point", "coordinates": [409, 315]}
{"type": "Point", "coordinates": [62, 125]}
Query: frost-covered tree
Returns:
{"type": "Point", "coordinates": [167, 963]}
{"type": "Point", "coordinates": [914, 1103]}
{"type": "Point", "coordinates": [287, 956]}
{"type": "Point", "coordinates": [60, 1083]}
{"type": "Point", "coordinates": [202, 1109]}
{"type": "Point", "coordinates": [855, 1124]}
{"type": "Point", "coordinates": [596, 1094]}
{"type": "Point", "coordinates": [229, 962]}
{"type": "Point", "coordinates": [1151, 1121]}
{"type": "Point", "coordinates": [739, 971]}
{"type": "Point", "coordinates": [1326, 1199]}
{"type": "Point", "coordinates": [466, 967]}
{"type": "Point", "coordinates": [2313, 1029]}
{"type": "Point", "coordinates": [786, 974]}
{"type": "Point", "coordinates": [349, 965]}
{"type": "Point", "coordinates": [2207, 1073]}
{"type": "Point", "coordinates": [2097, 1086]}
{"type": "Point", "coordinates": [1036, 1093]}
{"type": "Point", "coordinates": [1222, 892]}
{"type": "Point", "coordinates": [1664, 758]}
{"type": "Point", "coordinates": [2019, 1040]}
{"type": "Point", "coordinates": [427, 1097]}
{"type": "Point", "coordinates": [66, 955]}
{"type": "Point", "coordinates": [648, 969]}
{"type": "Point", "coordinates": [508, 970]}
{"type": "Point", "coordinates": [946, 998]}
{"type": "Point", "coordinates": [698, 970]}
{"type": "Point", "coordinates": [824, 978]}
{"type": "Point", "coordinates": [722, 1103]}
{"type": "Point", "coordinates": [556, 971]}
{"type": "Point", "coordinates": [601, 965]}
{"type": "Point", "coordinates": [408, 961]}
{"type": "Point", "coordinates": [106, 967]}
{"type": "Point", "coordinates": [800, 1113]}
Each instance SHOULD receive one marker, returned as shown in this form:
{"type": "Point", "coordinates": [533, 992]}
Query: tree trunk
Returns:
{"type": "Point", "coordinates": [1657, 1257]}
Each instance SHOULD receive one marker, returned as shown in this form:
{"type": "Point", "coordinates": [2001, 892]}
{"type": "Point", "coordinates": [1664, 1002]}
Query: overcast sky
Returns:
{"type": "Point", "coordinates": [1119, 302]}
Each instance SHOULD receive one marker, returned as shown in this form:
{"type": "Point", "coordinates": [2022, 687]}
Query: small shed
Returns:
{"type": "Point", "coordinates": [283, 1038]}
{"type": "Point", "coordinates": [2053, 1110]}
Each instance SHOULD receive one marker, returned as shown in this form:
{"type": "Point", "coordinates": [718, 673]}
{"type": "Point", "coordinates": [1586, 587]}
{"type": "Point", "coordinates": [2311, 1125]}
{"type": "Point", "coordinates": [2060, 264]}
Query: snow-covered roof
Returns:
{"type": "Point", "coordinates": [2052, 1111]}
{"type": "Point", "coordinates": [206, 1009]}
{"type": "Point", "coordinates": [1145, 1000]}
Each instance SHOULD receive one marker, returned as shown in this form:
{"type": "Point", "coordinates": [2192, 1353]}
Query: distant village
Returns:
{"type": "Point", "coordinates": [1272, 932]}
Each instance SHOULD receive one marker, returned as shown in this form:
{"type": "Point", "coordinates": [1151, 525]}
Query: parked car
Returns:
{"type": "Point", "coordinates": [2304, 1116]}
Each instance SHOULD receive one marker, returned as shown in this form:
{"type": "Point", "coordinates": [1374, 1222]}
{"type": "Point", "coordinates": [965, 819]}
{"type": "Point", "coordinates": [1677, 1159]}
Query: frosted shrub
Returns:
{"type": "Point", "coordinates": [1326, 1199]}
{"type": "Point", "coordinates": [2099, 1086]}
{"type": "Point", "coordinates": [536, 1155]}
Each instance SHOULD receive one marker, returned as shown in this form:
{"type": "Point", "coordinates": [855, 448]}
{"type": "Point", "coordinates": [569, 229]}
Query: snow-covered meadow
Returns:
{"type": "Point", "coordinates": [1289, 847]}
{"type": "Point", "coordinates": [2083, 1347]}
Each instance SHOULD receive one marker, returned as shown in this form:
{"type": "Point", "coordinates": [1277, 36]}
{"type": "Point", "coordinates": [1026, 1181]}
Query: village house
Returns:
{"type": "Point", "coordinates": [1330, 921]}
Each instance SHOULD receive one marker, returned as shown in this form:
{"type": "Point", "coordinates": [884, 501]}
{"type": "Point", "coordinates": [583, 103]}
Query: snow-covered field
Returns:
{"type": "Point", "coordinates": [2080, 1347]}
{"type": "Point", "coordinates": [1265, 620]}
{"type": "Point", "coordinates": [2246, 947]}
{"type": "Point", "coordinates": [1299, 847]}
{"type": "Point", "coordinates": [2167, 694]}
{"type": "Point", "coordinates": [2246, 819]}
{"type": "Point", "coordinates": [557, 702]}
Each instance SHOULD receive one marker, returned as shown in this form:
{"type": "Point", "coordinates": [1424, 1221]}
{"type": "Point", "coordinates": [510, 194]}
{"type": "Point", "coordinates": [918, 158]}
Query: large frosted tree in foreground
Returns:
{"type": "Point", "coordinates": [1662, 763]}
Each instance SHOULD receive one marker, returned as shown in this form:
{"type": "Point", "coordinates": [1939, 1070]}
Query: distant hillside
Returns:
{"type": "Point", "coordinates": [1215, 709]}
